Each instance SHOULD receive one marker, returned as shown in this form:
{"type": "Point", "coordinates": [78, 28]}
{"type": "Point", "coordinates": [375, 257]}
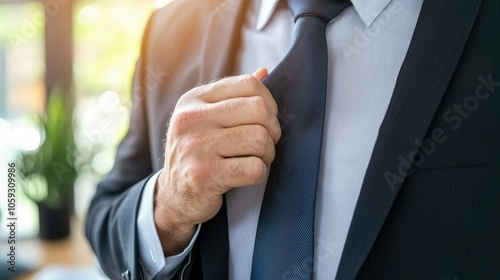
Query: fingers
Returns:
{"type": "Point", "coordinates": [239, 86]}
{"type": "Point", "coordinates": [220, 136]}
{"type": "Point", "coordinates": [244, 141]}
{"type": "Point", "coordinates": [245, 111]}
{"type": "Point", "coordinates": [239, 172]}
{"type": "Point", "coordinates": [250, 103]}
{"type": "Point", "coordinates": [260, 73]}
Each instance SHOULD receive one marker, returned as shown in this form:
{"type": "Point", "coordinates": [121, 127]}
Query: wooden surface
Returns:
{"type": "Point", "coordinates": [73, 251]}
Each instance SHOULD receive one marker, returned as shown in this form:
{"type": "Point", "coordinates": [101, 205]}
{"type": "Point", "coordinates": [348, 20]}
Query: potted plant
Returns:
{"type": "Point", "coordinates": [49, 172]}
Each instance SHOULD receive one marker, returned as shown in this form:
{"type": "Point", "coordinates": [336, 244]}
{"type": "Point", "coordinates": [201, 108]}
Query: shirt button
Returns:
{"type": "Point", "coordinates": [126, 275]}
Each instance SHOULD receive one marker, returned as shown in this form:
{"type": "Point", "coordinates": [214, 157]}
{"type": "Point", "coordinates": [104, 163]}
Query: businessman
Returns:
{"type": "Point", "coordinates": [309, 139]}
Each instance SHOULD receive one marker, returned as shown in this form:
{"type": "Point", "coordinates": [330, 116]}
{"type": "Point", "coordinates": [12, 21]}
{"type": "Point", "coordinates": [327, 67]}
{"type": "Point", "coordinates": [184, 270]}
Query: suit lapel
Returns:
{"type": "Point", "coordinates": [221, 39]}
{"type": "Point", "coordinates": [218, 53]}
{"type": "Point", "coordinates": [438, 40]}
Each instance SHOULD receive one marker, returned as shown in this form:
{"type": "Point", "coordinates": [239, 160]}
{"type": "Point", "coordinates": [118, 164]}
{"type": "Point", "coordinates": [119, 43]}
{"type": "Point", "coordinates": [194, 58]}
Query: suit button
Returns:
{"type": "Point", "coordinates": [126, 275]}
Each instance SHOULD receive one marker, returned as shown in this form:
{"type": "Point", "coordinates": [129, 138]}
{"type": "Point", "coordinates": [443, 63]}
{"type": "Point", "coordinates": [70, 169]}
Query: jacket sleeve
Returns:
{"type": "Point", "coordinates": [111, 219]}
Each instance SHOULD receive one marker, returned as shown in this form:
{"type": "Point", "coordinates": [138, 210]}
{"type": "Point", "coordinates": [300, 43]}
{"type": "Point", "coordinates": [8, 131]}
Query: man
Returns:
{"type": "Point", "coordinates": [407, 184]}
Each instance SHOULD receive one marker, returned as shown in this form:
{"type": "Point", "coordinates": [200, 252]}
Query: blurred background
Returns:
{"type": "Point", "coordinates": [65, 83]}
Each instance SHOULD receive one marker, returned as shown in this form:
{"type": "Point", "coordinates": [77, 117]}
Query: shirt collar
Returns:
{"type": "Point", "coordinates": [368, 10]}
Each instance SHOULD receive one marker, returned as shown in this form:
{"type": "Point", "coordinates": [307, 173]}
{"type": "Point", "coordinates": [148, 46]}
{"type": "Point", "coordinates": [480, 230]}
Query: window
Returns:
{"type": "Point", "coordinates": [94, 44]}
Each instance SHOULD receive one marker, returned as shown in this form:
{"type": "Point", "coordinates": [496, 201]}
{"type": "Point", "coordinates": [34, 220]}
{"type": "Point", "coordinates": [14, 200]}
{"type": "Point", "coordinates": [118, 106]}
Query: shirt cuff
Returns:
{"type": "Point", "coordinates": [151, 255]}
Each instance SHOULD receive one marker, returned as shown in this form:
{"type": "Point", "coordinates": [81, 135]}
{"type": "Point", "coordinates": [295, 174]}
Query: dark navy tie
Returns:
{"type": "Point", "coordinates": [284, 245]}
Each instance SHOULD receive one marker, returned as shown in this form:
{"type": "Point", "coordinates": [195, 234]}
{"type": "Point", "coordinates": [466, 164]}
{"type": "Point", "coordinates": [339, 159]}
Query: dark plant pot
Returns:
{"type": "Point", "coordinates": [54, 223]}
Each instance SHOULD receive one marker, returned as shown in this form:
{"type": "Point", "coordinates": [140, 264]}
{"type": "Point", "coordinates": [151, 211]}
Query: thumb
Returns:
{"type": "Point", "coordinates": [260, 73]}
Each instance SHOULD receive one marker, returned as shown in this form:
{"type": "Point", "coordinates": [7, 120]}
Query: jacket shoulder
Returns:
{"type": "Point", "coordinates": [182, 19]}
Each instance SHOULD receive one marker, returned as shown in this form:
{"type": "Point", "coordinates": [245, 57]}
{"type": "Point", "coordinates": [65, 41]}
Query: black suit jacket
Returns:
{"type": "Point", "coordinates": [429, 206]}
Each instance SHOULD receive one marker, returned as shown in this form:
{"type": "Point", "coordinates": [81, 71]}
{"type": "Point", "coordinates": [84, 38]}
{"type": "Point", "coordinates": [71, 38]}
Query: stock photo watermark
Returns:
{"type": "Point", "coordinates": [225, 6]}
{"type": "Point", "coordinates": [455, 116]}
{"type": "Point", "coordinates": [363, 37]}
{"type": "Point", "coordinates": [38, 19]}
{"type": "Point", "coordinates": [11, 217]}
{"type": "Point", "coordinates": [326, 248]}
{"type": "Point", "coordinates": [153, 78]}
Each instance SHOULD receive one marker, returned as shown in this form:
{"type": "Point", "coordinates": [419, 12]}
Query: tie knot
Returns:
{"type": "Point", "coordinates": [324, 9]}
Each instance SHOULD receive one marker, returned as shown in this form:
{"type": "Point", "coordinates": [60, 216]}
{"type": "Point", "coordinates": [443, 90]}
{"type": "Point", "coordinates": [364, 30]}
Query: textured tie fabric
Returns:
{"type": "Point", "coordinates": [284, 244]}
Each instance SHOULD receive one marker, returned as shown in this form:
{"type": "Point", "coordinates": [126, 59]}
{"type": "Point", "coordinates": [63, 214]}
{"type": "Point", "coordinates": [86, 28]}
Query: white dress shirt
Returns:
{"type": "Point", "coordinates": [367, 44]}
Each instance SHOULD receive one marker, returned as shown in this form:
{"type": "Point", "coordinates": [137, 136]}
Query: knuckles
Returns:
{"type": "Point", "coordinates": [257, 171]}
{"type": "Point", "coordinates": [197, 144]}
{"type": "Point", "coordinates": [181, 120]}
{"type": "Point", "coordinates": [261, 137]}
{"type": "Point", "coordinates": [249, 83]}
{"type": "Point", "coordinates": [202, 173]}
{"type": "Point", "coordinates": [258, 106]}
{"type": "Point", "coordinates": [199, 174]}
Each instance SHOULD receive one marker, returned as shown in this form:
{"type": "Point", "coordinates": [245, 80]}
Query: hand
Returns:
{"type": "Point", "coordinates": [221, 136]}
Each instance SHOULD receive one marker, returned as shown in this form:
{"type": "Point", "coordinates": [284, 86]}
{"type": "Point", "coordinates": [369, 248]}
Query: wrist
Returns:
{"type": "Point", "coordinates": [174, 234]}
